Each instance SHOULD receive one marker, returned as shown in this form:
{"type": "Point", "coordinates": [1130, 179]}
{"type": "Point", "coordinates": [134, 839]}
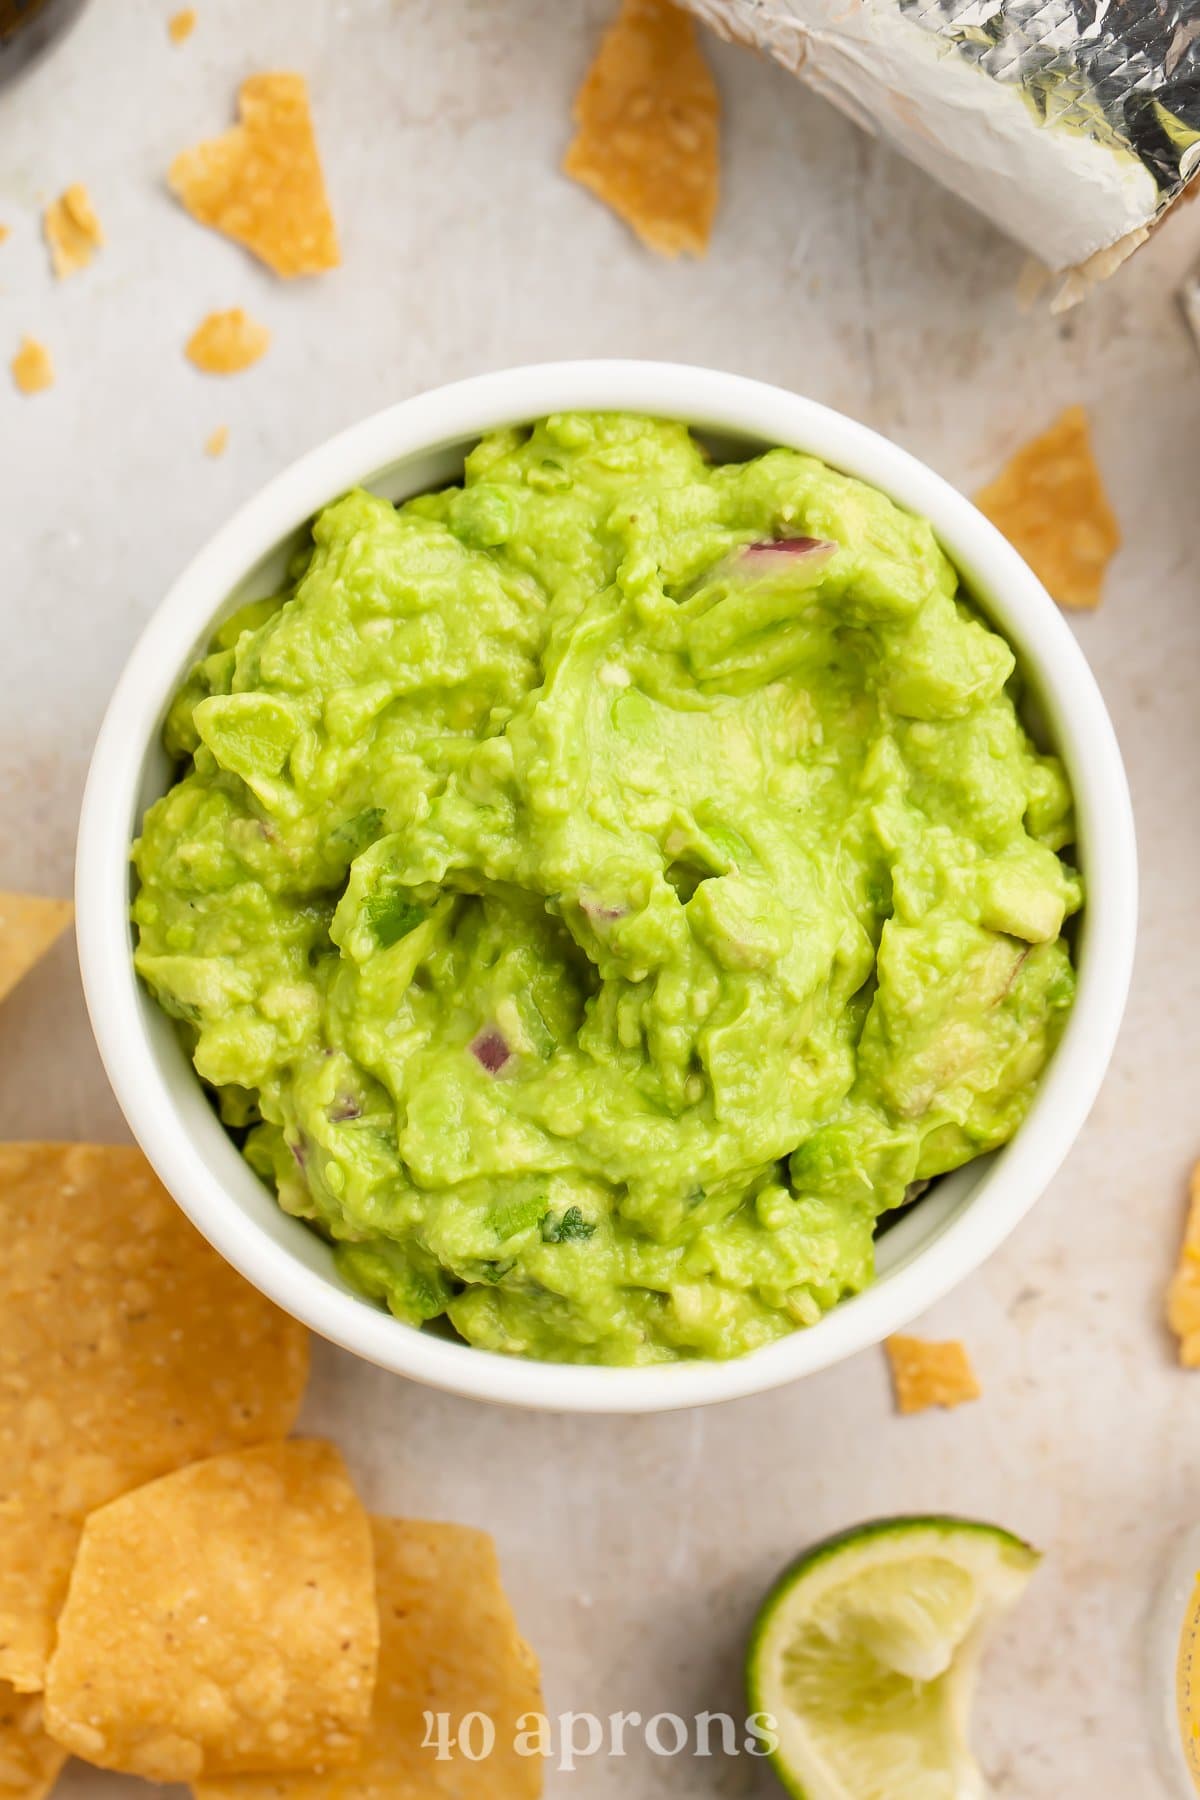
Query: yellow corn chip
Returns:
{"type": "Point", "coordinates": [3, 233]}
{"type": "Point", "coordinates": [1183, 1294]}
{"type": "Point", "coordinates": [261, 183]}
{"type": "Point", "coordinates": [28, 927]}
{"type": "Point", "coordinates": [181, 25]}
{"type": "Point", "coordinates": [32, 369]}
{"type": "Point", "coordinates": [127, 1348]}
{"type": "Point", "coordinates": [225, 342]}
{"type": "Point", "coordinates": [216, 443]}
{"type": "Point", "coordinates": [926, 1374]}
{"type": "Point", "coordinates": [448, 1643]}
{"type": "Point", "coordinates": [1050, 503]}
{"type": "Point", "coordinates": [72, 231]}
{"type": "Point", "coordinates": [221, 1619]}
{"type": "Point", "coordinates": [647, 120]}
{"type": "Point", "coordinates": [29, 1760]}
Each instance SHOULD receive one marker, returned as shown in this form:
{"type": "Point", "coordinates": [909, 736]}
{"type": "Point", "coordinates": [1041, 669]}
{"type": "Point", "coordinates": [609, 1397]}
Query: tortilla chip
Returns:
{"type": "Point", "coordinates": [448, 1642]}
{"type": "Point", "coordinates": [926, 1374]}
{"type": "Point", "coordinates": [1050, 503]}
{"type": "Point", "coordinates": [72, 231]}
{"type": "Point", "coordinates": [181, 25]}
{"type": "Point", "coordinates": [216, 443]}
{"type": "Point", "coordinates": [261, 184]}
{"type": "Point", "coordinates": [32, 369]}
{"type": "Point", "coordinates": [220, 1620]}
{"type": "Point", "coordinates": [28, 927]}
{"type": "Point", "coordinates": [128, 1348]}
{"type": "Point", "coordinates": [648, 118]}
{"type": "Point", "coordinates": [226, 342]}
{"type": "Point", "coordinates": [1183, 1294]}
{"type": "Point", "coordinates": [29, 1760]}
{"type": "Point", "coordinates": [3, 233]}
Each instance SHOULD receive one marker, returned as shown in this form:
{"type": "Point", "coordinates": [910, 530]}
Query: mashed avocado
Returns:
{"type": "Point", "coordinates": [597, 892]}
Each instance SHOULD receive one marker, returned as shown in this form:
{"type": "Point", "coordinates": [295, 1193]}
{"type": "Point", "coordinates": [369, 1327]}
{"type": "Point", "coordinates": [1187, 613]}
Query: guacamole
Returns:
{"type": "Point", "coordinates": [596, 893]}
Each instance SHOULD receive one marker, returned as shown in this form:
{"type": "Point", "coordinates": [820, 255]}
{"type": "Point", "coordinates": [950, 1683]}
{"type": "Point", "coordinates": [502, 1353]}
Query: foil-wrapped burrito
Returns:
{"type": "Point", "coordinates": [1071, 123]}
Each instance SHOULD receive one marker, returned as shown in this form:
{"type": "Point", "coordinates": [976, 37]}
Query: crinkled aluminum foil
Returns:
{"type": "Point", "coordinates": [1126, 72]}
{"type": "Point", "coordinates": [1071, 122]}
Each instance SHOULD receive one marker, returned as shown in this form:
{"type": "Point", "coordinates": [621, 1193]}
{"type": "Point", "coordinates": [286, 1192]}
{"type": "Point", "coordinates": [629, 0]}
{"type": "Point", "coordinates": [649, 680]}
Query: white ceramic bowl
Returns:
{"type": "Point", "coordinates": [412, 447]}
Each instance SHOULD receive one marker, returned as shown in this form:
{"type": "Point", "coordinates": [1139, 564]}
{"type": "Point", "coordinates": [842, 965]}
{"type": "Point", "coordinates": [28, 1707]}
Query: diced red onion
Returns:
{"type": "Point", "coordinates": [490, 1050]}
{"type": "Point", "coordinates": [782, 553]}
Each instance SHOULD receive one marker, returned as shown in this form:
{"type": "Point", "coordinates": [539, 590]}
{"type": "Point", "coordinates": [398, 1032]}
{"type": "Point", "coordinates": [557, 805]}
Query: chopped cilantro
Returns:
{"type": "Point", "coordinates": [570, 1228]}
{"type": "Point", "coordinates": [391, 917]}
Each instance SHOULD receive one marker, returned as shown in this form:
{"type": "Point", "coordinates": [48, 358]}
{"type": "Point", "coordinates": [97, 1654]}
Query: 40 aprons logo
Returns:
{"type": "Point", "coordinates": [572, 1736]}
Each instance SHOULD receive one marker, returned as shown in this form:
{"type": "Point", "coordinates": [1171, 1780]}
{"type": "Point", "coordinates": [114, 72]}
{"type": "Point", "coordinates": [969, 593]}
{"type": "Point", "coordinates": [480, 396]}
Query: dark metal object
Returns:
{"type": "Point", "coordinates": [28, 28]}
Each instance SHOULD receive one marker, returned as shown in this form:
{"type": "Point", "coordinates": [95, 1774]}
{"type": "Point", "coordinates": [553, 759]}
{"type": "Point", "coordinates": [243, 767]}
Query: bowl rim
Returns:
{"type": "Point", "coordinates": [448, 416]}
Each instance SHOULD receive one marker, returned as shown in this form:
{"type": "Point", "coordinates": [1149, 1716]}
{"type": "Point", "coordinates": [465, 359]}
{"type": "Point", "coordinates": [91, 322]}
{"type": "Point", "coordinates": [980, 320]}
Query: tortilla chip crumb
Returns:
{"type": "Point", "coordinates": [181, 25]}
{"type": "Point", "coordinates": [226, 342]}
{"type": "Point", "coordinates": [1032, 283]}
{"type": "Point", "coordinates": [648, 119]}
{"type": "Point", "coordinates": [261, 183]}
{"type": "Point", "coordinates": [72, 231]}
{"type": "Point", "coordinates": [215, 444]}
{"type": "Point", "coordinates": [1183, 1293]}
{"type": "Point", "coordinates": [1050, 503]}
{"type": "Point", "coordinates": [3, 233]}
{"type": "Point", "coordinates": [927, 1374]}
{"type": "Point", "coordinates": [32, 369]}
{"type": "Point", "coordinates": [29, 925]}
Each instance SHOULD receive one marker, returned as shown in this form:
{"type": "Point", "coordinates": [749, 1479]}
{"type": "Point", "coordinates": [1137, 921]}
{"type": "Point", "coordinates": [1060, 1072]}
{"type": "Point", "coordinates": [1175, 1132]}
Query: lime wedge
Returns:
{"type": "Point", "coordinates": [865, 1653]}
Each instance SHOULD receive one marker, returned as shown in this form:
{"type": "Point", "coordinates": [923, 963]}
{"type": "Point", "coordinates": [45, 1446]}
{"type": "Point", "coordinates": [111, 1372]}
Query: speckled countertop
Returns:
{"type": "Point", "coordinates": [636, 1548]}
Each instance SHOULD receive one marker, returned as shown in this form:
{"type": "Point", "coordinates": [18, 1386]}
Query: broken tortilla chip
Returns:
{"type": "Point", "coordinates": [217, 442]}
{"type": "Point", "coordinates": [1050, 503]}
{"type": "Point", "coordinates": [181, 25]}
{"type": "Point", "coordinates": [927, 1374]}
{"type": "Point", "coordinates": [28, 927]}
{"type": "Point", "coordinates": [29, 1760]}
{"type": "Point", "coordinates": [221, 1619]}
{"type": "Point", "coordinates": [3, 233]}
{"type": "Point", "coordinates": [72, 231]}
{"type": "Point", "coordinates": [1183, 1294]}
{"type": "Point", "coordinates": [32, 369]}
{"type": "Point", "coordinates": [127, 1348]}
{"type": "Point", "coordinates": [261, 183]}
{"type": "Point", "coordinates": [448, 1643]}
{"type": "Point", "coordinates": [647, 120]}
{"type": "Point", "coordinates": [226, 342]}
